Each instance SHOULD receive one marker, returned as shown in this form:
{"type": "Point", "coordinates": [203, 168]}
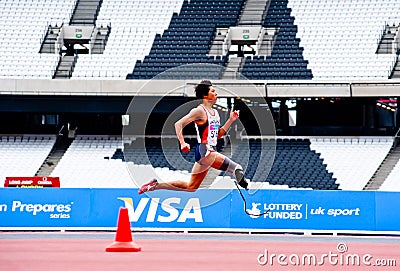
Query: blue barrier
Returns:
{"type": "Point", "coordinates": [306, 209]}
{"type": "Point", "coordinates": [44, 207]}
{"type": "Point", "coordinates": [387, 211]}
{"type": "Point", "coordinates": [205, 209]}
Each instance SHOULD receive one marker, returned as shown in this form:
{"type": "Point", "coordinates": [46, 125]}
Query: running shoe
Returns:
{"type": "Point", "coordinates": [148, 186]}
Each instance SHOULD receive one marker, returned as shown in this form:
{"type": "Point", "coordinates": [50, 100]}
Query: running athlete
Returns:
{"type": "Point", "coordinates": [207, 122]}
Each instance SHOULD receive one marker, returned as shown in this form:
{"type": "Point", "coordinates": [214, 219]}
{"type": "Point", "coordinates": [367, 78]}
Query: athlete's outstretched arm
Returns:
{"type": "Point", "coordinates": [234, 115]}
{"type": "Point", "coordinates": [194, 115]}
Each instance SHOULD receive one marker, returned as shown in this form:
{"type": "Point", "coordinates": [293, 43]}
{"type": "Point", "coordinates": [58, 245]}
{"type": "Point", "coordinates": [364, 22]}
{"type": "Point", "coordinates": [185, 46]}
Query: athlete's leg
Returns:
{"type": "Point", "coordinates": [221, 162]}
{"type": "Point", "coordinates": [199, 172]}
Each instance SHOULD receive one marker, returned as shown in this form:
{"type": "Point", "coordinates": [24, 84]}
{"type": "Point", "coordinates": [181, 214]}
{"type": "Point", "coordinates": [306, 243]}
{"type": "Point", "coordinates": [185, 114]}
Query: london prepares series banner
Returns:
{"type": "Point", "coordinates": [204, 209]}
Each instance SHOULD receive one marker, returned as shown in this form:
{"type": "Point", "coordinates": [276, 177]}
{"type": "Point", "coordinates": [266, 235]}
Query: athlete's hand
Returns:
{"type": "Point", "coordinates": [234, 115]}
{"type": "Point", "coordinates": [185, 147]}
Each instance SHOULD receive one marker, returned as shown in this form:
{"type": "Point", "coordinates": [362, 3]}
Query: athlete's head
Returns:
{"type": "Point", "coordinates": [202, 89]}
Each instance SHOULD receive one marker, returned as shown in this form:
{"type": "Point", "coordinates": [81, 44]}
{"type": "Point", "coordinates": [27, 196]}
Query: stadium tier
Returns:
{"type": "Point", "coordinates": [298, 163]}
{"type": "Point", "coordinates": [293, 40]}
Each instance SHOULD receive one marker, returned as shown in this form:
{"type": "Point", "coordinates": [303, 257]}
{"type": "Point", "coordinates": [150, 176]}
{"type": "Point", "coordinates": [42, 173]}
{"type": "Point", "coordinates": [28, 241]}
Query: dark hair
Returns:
{"type": "Point", "coordinates": [202, 89]}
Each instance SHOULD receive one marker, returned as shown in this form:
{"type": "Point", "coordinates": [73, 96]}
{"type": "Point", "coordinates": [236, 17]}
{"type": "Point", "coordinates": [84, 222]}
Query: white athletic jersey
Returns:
{"type": "Point", "coordinates": [208, 132]}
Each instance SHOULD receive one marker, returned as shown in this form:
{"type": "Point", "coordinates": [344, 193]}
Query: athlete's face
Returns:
{"type": "Point", "coordinates": [212, 95]}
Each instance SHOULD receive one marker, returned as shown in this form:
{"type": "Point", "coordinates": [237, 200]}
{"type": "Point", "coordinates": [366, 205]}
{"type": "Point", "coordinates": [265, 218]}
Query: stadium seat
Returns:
{"type": "Point", "coordinates": [331, 31]}
{"type": "Point", "coordinates": [23, 46]}
{"type": "Point", "coordinates": [88, 163]}
{"type": "Point", "coordinates": [23, 155]}
{"type": "Point", "coordinates": [193, 15]}
{"type": "Point", "coordinates": [292, 164]}
{"type": "Point", "coordinates": [352, 161]}
{"type": "Point", "coordinates": [134, 26]}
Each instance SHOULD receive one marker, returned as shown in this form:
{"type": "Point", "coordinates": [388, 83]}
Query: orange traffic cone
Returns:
{"type": "Point", "coordinates": [123, 239]}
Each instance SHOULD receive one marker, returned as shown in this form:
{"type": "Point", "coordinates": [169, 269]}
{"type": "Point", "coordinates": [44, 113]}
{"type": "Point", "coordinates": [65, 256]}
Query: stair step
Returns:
{"type": "Point", "coordinates": [92, 5]}
{"type": "Point", "coordinates": [84, 17]}
{"type": "Point", "coordinates": [62, 73]}
{"type": "Point", "coordinates": [66, 62]}
{"type": "Point", "coordinates": [64, 66]}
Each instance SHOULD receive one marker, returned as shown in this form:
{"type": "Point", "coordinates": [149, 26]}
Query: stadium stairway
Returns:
{"type": "Point", "coordinates": [387, 45]}
{"type": "Point", "coordinates": [85, 12]}
{"type": "Point", "coordinates": [65, 67]}
{"type": "Point", "coordinates": [396, 69]}
{"type": "Point", "coordinates": [101, 38]}
{"type": "Point", "coordinates": [49, 42]}
{"type": "Point", "coordinates": [253, 12]}
{"type": "Point", "coordinates": [392, 183]}
{"type": "Point", "coordinates": [384, 170]}
{"type": "Point", "coordinates": [60, 147]}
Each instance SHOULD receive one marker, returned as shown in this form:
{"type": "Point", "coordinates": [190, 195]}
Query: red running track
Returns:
{"type": "Point", "coordinates": [62, 254]}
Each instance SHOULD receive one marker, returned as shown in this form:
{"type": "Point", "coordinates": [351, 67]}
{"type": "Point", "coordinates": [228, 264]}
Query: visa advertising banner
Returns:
{"type": "Point", "coordinates": [162, 209]}
{"type": "Point", "coordinates": [205, 209]}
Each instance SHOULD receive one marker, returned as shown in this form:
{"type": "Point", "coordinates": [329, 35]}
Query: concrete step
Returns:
{"type": "Point", "coordinates": [66, 63]}
{"type": "Point", "coordinates": [62, 73]}
{"type": "Point", "coordinates": [84, 16]}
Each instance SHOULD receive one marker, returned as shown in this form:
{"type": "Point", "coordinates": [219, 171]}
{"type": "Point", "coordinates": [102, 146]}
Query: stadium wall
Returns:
{"type": "Point", "coordinates": [205, 210]}
{"type": "Point", "coordinates": [243, 88]}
